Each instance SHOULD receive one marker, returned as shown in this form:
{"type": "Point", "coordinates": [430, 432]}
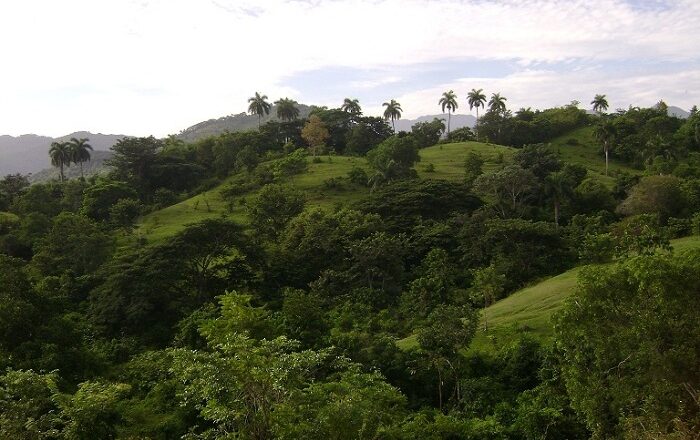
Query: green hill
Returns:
{"type": "Point", "coordinates": [529, 310]}
{"type": "Point", "coordinates": [447, 160]}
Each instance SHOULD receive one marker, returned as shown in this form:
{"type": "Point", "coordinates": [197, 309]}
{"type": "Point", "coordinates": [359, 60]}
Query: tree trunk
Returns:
{"type": "Point", "coordinates": [81, 170]}
{"type": "Point", "coordinates": [62, 178]}
{"type": "Point", "coordinates": [440, 388]}
{"type": "Point", "coordinates": [476, 124]}
{"type": "Point", "coordinates": [556, 213]}
{"type": "Point", "coordinates": [449, 116]}
{"type": "Point", "coordinates": [606, 159]}
{"type": "Point", "coordinates": [393, 126]}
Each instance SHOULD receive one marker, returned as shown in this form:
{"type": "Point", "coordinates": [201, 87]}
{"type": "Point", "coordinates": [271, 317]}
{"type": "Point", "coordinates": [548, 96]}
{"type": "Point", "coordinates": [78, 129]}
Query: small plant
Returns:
{"type": "Point", "coordinates": [429, 168]}
{"type": "Point", "coordinates": [333, 183]}
{"type": "Point", "coordinates": [499, 158]}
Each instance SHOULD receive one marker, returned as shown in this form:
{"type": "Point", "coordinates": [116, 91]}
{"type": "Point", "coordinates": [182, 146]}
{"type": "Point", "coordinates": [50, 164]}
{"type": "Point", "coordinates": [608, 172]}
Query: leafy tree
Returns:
{"type": "Point", "coordinates": [449, 102]}
{"type": "Point", "coordinates": [473, 168]}
{"type": "Point", "coordinates": [92, 412]}
{"type": "Point", "coordinates": [273, 207]}
{"type": "Point", "coordinates": [29, 406]}
{"type": "Point", "coordinates": [605, 133]}
{"type": "Point", "coordinates": [508, 189]}
{"type": "Point", "coordinates": [60, 155]}
{"type": "Point", "coordinates": [559, 187]}
{"type": "Point", "coordinates": [639, 235]}
{"type": "Point", "coordinates": [489, 284]}
{"type": "Point", "coordinates": [124, 213]}
{"type": "Point", "coordinates": [599, 103]}
{"type": "Point", "coordinates": [99, 198]}
{"type": "Point", "coordinates": [247, 158]}
{"type": "Point", "coordinates": [258, 105]}
{"type": "Point", "coordinates": [19, 304]}
{"type": "Point", "coordinates": [133, 160]}
{"type": "Point", "coordinates": [80, 152]}
{"type": "Point", "coordinates": [538, 159]}
{"type": "Point", "coordinates": [351, 106]}
{"type": "Point", "coordinates": [463, 134]}
{"type": "Point", "coordinates": [287, 109]}
{"type": "Point", "coordinates": [393, 111]}
{"type": "Point", "coordinates": [448, 330]}
{"type": "Point", "coordinates": [11, 186]}
{"type": "Point", "coordinates": [393, 159]}
{"type": "Point", "coordinates": [74, 244]}
{"type": "Point", "coordinates": [629, 347]}
{"type": "Point", "coordinates": [427, 133]}
{"type": "Point", "coordinates": [366, 134]}
{"type": "Point", "coordinates": [660, 195]}
{"type": "Point", "coordinates": [315, 134]}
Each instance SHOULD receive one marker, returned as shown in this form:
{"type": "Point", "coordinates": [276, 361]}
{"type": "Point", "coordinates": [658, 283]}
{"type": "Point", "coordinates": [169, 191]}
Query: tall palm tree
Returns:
{"type": "Point", "coordinates": [287, 109]}
{"type": "Point", "coordinates": [476, 98]}
{"type": "Point", "coordinates": [557, 186]}
{"type": "Point", "coordinates": [497, 103]}
{"type": "Point", "coordinates": [258, 105]}
{"type": "Point", "coordinates": [393, 111]}
{"type": "Point", "coordinates": [605, 132]}
{"type": "Point", "coordinates": [80, 152]}
{"type": "Point", "coordinates": [60, 155]}
{"type": "Point", "coordinates": [351, 106]}
{"type": "Point", "coordinates": [449, 102]}
{"type": "Point", "coordinates": [600, 104]}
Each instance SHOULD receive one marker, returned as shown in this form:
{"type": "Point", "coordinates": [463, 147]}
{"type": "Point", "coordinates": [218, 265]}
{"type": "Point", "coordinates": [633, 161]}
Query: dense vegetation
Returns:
{"type": "Point", "coordinates": [279, 314]}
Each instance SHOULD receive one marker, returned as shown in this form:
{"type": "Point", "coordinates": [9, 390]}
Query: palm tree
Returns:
{"type": "Point", "coordinates": [287, 109]}
{"type": "Point", "coordinates": [558, 186]}
{"type": "Point", "coordinates": [605, 133]}
{"type": "Point", "coordinates": [259, 106]}
{"type": "Point", "coordinates": [476, 98]}
{"type": "Point", "coordinates": [599, 103]}
{"type": "Point", "coordinates": [449, 101]}
{"type": "Point", "coordinates": [351, 106]}
{"type": "Point", "coordinates": [393, 112]}
{"type": "Point", "coordinates": [79, 152]}
{"type": "Point", "coordinates": [60, 155]}
{"type": "Point", "coordinates": [497, 103]}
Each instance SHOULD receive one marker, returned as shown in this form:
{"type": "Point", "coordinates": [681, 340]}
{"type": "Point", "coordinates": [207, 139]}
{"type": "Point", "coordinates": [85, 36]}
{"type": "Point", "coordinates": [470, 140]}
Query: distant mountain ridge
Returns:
{"type": "Point", "coordinates": [29, 153]}
{"type": "Point", "coordinates": [457, 121]}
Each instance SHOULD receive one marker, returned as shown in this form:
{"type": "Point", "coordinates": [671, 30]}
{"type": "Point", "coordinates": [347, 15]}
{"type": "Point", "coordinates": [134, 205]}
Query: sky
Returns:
{"type": "Point", "coordinates": [142, 67]}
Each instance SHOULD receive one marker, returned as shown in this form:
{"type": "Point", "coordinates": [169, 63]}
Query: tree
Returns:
{"type": "Point", "coordinates": [80, 152]}
{"type": "Point", "coordinates": [351, 106]}
{"type": "Point", "coordinates": [426, 133]}
{"type": "Point", "coordinates": [497, 103]}
{"type": "Point", "coordinates": [393, 111]}
{"type": "Point", "coordinates": [660, 195]}
{"type": "Point", "coordinates": [558, 186]}
{"type": "Point", "coordinates": [315, 134]}
{"type": "Point", "coordinates": [393, 159]}
{"type": "Point", "coordinates": [473, 168]}
{"type": "Point", "coordinates": [124, 212]}
{"type": "Point", "coordinates": [274, 206]}
{"type": "Point", "coordinates": [508, 188]}
{"type": "Point", "coordinates": [489, 284]}
{"type": "Point", "coordinates": [629, 347]}
{"type": "Point", "coordinates": [449, 102]}
{"type": "Point", "coordinates": [476, 98]}
{"type": "Point", "coordinates": [599, 103]}
{"type": "Point", "coordinates": [258, 105]}
{"type": "Point", "coordinates": [134, 159]}
{"type": "Point", "coordinates": [287, 109]}
{"type": "Point", "coordinates": [605, 132]}
{"type": "Point", "coordinates": [60, 155]}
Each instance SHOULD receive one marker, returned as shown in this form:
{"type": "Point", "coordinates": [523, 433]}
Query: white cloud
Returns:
{"type": "Point", "coordinates": [157, 66]}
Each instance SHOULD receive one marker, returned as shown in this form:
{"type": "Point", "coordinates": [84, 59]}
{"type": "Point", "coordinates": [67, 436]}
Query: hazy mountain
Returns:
{"type": "Point", "coordinates": [29, 153]}
{"type": "Point", "coordinates": [677, 112]}
{"type": "Point", "coordinates": [458, 121]}
{"type": "Point", "coordinates": [239, 122]}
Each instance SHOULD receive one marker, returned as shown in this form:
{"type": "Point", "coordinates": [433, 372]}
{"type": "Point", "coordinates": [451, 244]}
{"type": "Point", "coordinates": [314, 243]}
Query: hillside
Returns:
{"type": "Point", "coordinates": [447, 159]}
{"type": "Point", "coordinates": [529, 310]}
{"type": "Point", "coordinates": [29, 153]}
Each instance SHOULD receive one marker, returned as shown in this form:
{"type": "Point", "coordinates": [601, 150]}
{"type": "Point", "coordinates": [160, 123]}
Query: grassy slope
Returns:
{"type": "Point", "coordinates": [587, 152]}
{"type": "Point", "coordinates": [448, 160]}
{"type": "Point", "coordinates": [529, 310]}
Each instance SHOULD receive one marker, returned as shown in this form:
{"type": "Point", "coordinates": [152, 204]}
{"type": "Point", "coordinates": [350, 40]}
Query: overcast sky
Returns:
{"type": "Point", "coordinates": [142, 67]}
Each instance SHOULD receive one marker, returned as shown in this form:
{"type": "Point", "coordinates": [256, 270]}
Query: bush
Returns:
{"type": "Point", "coordinates": [358, 176]}
{"type": "Point", "coordinates": [292, 164]}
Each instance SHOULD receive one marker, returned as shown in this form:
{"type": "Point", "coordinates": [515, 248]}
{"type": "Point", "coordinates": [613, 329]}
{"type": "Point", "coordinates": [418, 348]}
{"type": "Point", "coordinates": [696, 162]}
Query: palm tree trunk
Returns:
{"type": "Point", "coordinates": [62, 178]}
{"type": "Point", "coordinates": [556, 213]}
{"type": "Point", "coordinates": [449, 116]}
{"type": "Point", "coordinates": [393, 126]}
{"type": "Point", "coordinates": [258, 122]}
{"type": "Point", "coordinates": [476, 124]}
{"type": "Point", "coordinates": [81, 170]}
{"type": "Point", "coordinates": [606, 159]}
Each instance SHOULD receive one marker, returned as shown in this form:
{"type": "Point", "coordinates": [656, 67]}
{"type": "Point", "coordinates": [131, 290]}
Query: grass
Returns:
{"type": "Point", "coordinates": [447, 160]}
{"type": "Point", "coordinates": [529, 310]}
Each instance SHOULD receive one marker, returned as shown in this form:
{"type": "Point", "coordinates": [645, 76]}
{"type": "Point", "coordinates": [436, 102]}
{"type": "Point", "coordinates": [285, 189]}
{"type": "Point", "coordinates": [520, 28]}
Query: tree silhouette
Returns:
{"type": "Point", "coordinates": [476, 98]}
{"type": "Point", "coordinates": [60, 154]}
{"type": "Point", "coordinates": [258, 105]}
{"type": "Point", "coordinates": [393, 111]}
{"type": "Point", "coordinates": [599, 103]}
{"type": "Point", "coordinates": [449, 102]}
{"type": "Point", "coordinates": [351, 106]}
{"type": "Point", "coordinates": [497, 103]}
{"type": "Point", "coordinates": [287, 109]}
{"type": "Point", "coordinates": [80, 152]}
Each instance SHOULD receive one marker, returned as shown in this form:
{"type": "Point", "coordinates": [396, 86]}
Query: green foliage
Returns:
{"type": "Point", "coordinates": [655, 194]}
{"type": "Point", "coordinates": [99, 198]}
{"type": "Point", "coordinates": [427, 133]}
{"type": "Point", "coordinates": [124, 212]}
{"type": "Point", "coordinates": [629, 345]}
{"type": "Point", "coordinates": [274, 206]}
{"type": "Point", "coordinates": [393, 159]}
{"type": "Point", "coordinates": [133, 160]}
{"type": "Point", "coordinates": [294, 163]}
{"type": "Point", "coordinates": [640, 235]}
{"type": "Point", "coordinates": [508, 189]}
{"type": "Point", "coordinates": [29, 406]}
{"type": "Point", "coordinates": [463, 134]}
{"type": "Point", "coordinates": [473, 168]}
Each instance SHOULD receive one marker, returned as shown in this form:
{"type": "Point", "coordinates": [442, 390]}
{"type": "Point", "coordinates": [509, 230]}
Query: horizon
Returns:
{"type": "Point", "coordinates": [186, 62]}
